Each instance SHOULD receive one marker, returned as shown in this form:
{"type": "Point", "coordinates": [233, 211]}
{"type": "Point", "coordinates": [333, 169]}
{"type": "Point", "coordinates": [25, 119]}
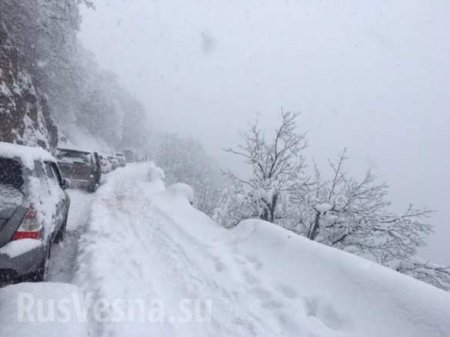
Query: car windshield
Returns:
{"type": "Point", "coordinates": [72, 156]}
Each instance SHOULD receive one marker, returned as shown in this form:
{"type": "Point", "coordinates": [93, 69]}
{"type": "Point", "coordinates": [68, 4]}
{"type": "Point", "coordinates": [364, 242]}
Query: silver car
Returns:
{"type": "Point", "coordinates": [33, 211]}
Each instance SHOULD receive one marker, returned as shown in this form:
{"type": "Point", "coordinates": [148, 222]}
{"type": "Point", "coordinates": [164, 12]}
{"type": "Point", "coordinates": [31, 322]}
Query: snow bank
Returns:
{"type": "Point", "coordinates": [145, 242]}
{"type": "Point", "coordinates": [156, 174]}
{"type": "Point", "coordinates": [180, 190]}
{"type": "Point", "coordinates": [339, 293]}
{"type": "Point", "coordinates": [27, 154]}
{"type": "Point", "coordinates": [42, 309]}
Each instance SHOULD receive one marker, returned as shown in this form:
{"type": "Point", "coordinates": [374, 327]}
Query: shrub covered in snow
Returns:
{"type": "Point", "coordinates": [183, 191]}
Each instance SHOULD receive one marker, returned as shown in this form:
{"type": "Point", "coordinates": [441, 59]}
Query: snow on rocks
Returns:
{"type": "Point", "coordinates": [42, 310]}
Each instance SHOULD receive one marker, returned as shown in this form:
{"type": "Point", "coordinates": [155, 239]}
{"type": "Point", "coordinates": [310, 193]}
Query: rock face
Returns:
{"type": "Point", "coordinates": [24, 113]}
{"type": "Point", "coordinates": [52, 89]}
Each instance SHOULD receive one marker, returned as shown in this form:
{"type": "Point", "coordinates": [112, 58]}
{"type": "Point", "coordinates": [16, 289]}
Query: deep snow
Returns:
{"type": "Point", "coordinates": [145, 242]}
{"type": "Point", "coordinates": [41, 325]}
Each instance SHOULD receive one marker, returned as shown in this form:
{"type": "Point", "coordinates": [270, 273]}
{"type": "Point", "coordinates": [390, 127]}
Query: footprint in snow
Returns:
{"type": "Point", "coordinates": [266, 298]}
{"type": "Point", "coordinates": [286, 291]}
{"type": "Point", "coordinates": [325, 312]}
{"type": "Point", "coordinates": [219, 265]}
{"type": "Point", "coordinates": [257, 264]}
{"type": "Point", "coordinates": [250, 279]}
{"type": "Point", "coordinates": [239, 260]}
{"type": "Point", "coordinates": [261, 293]}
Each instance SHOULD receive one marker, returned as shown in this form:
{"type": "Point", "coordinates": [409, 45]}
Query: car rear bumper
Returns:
{"type": "Point", "coordinates": [28, 262]}
{"type": "Point", "coordinates": [80, 183]}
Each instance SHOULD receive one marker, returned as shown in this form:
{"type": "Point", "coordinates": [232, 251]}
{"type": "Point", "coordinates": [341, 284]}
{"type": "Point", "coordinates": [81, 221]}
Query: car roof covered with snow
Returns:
{"type": "Point", "coordinates": [73, 150]}
{"type": "Point", "coordinates": [27, 154]}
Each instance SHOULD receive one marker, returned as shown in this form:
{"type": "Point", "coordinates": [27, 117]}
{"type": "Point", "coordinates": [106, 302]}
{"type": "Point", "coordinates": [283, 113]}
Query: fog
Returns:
{"type": "Point", "coordinates": [372, 77]}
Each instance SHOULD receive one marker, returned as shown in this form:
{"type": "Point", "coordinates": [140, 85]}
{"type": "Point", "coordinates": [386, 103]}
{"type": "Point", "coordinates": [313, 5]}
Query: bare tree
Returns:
{"type": "Point", "coordinates": [433, 274]}
{"type": "Point", "coordinates": [234, 205]}
{"type": "Point", "coordinates": [351, 214]}
{"type": "Point", "coordinates": [355, 215]}
{"type": "Point", "coordinates": [277, 165]}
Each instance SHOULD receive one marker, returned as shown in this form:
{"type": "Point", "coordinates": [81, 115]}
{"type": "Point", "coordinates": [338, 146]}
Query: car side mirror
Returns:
{"type": "Point", "coordinates": [64, 184]}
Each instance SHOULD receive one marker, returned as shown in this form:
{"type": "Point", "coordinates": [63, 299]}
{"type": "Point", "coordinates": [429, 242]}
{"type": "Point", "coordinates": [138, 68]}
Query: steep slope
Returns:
{"type": "Point", "coordinates": [52, 89]}
{"type": "Point", "coordinates": [147, 244]}
{"type": "Point", "coordinates": [24, 114]}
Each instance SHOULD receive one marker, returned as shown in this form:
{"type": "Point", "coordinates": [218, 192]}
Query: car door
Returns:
{"type": "Point", "coordinates": [98, 168]}
{"type": "Point", "coordinates": [57, 194]}
{"type": "Point", "coordinates": [64, 196]}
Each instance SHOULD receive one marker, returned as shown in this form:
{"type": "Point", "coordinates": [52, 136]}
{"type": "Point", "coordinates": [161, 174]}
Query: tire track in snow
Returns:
{"type": "Point", "coordinates": [63, 258]}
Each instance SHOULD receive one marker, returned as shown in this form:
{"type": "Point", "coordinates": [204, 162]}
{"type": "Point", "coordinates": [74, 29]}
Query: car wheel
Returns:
{"type": "Point", "coordinates": [92, 187]}
{"type": "Point", "coordinates": [41, 273]}
{"type": "Point", "coordinates": [62, 231]}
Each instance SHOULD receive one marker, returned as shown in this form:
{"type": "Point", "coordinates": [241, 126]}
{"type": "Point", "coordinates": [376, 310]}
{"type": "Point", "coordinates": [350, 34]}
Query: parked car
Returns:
{"type": "Point", "coordinates": [33, 211]}
{"type": "Point", "coordinates": [121, 158]}
{"type": "Point", "coordinates": [130, 155]}
{"type": "Point", "coordinates": [81, 168]}
{"type": "Point", "coordinates": [106, 165]}
{"type": "Point", "coordinates": [114, 162]}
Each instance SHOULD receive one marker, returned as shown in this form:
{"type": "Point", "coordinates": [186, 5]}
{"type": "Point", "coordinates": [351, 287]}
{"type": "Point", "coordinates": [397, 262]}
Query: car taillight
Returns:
{"type": "Point", "coordinates": [30, 228]}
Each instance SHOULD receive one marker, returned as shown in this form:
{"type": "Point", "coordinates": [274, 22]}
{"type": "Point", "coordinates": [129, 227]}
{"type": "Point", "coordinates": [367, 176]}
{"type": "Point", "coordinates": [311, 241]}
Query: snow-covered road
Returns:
{"type": "Point", "coordinates": [150, 264]}
{"type": "Point", "coordinates": [63, 257]}
{"type": "Point", "coordinates": [146, 243]}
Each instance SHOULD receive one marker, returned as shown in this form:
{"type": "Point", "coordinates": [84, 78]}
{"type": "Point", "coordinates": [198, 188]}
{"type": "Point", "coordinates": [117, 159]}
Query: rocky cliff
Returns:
{"type": "Point", "coordinates": [24, 113]}
{"type": "Point", "coordinates": [52, 89]}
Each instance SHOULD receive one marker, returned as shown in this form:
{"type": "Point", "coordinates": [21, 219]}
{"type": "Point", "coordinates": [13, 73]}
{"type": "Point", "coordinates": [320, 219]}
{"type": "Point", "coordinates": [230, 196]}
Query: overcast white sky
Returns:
{"type": "Point", "coordinates": [370, 75]}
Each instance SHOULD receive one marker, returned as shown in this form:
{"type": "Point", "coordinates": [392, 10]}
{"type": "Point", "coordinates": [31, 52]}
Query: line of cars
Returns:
{"type": "Point", "coordinates": [112, 161]}
{"type": "Point", "coordinates": [34, 205]}
{"type": "Point", "coordinates": [83, 169]}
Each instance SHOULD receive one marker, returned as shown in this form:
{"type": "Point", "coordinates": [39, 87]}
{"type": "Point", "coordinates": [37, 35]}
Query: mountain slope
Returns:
{"type": "Point", "coordinates": [24, 114]}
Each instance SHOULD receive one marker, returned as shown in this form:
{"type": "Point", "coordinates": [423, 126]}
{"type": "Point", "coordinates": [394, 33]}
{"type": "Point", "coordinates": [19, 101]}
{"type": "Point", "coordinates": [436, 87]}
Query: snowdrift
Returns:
{"type": "Point", "coordinates": [42, 309]}
{"type": "Point", "coordinates": [340, 294]}
{"type": "Point", "coordinates": [145, 241]}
